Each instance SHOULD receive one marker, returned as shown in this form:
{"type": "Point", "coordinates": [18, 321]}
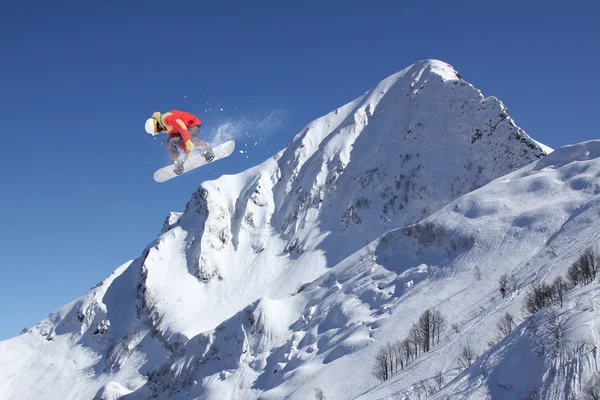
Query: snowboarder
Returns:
{"type": "Point", "coordinates": [182, 129]}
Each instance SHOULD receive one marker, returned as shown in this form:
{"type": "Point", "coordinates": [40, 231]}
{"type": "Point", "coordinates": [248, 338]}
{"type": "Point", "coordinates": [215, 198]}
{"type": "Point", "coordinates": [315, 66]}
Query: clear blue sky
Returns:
{"type": "Point", "coordinates": [79, 78]}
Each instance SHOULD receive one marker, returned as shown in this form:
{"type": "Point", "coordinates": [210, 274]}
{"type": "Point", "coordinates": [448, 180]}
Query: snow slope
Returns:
{"type": "Point", "coordinates": [273, 282]}
{"type": "Point", "coordinates": [532, 224]}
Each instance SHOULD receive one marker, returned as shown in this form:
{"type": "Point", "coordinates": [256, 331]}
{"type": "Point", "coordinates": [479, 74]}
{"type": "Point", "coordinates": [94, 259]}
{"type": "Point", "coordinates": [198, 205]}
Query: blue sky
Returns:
{"type": "Point", "coordinates": [79, 79]}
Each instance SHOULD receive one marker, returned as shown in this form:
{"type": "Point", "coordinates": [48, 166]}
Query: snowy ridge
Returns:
{"type": "Point", "coordinates": [68, 345]}
{"type": "Point", "coordinates": [284, 278]}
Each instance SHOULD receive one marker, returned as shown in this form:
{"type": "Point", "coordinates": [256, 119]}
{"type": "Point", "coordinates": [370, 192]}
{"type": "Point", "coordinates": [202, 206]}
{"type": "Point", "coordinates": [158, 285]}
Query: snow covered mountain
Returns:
{"type": "Point", "coordinates": [284, 281]}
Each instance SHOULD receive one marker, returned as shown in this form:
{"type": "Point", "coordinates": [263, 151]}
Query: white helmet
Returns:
{"type": "Point", "coordinates": [151, 126]}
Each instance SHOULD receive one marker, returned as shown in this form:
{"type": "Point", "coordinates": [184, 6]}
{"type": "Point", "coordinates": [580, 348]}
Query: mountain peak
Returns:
{"type": "Point", "coordinates": [441, 68]}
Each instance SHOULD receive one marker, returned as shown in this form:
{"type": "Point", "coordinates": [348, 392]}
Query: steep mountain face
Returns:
{"type": "Point", "coordinates": [421, 138]}
{"type": "Point", "coordinates": [270, 283]}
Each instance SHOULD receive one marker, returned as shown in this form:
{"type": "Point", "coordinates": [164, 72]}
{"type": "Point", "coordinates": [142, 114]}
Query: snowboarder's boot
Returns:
{"type": "Point", "coordinates": [209, 156]}
{"type": "Point", "coordinates": [178, 167]}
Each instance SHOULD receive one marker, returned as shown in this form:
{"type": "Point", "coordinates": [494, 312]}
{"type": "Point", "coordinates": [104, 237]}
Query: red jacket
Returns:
{"type": "Point", "coordinates": [178, 122]}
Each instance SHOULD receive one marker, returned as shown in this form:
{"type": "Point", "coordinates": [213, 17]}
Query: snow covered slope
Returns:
{"type": "Point", "coordinates": [531, 224]}
{"type": "Point", "coordinates": [272, 282]}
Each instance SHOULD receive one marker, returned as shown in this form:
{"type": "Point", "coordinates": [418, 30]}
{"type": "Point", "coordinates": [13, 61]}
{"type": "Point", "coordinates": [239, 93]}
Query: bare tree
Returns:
{"type": "Point", "coordinates": [422, 336]}
{"type": "Point", "coordinates": [439, 324]}
{"type": "Point", "coordinates": [584, 269]}
{"type": "Point", "coordinates": [590, 259]}
{"type": "Point", "coordinates": [414, 338]}
{"type": "Point", "coordinates": [429, 327]}
{"type": "Point", "coordinates": [539, 297]}
{"type": "Point", "coordinates": [429, 233]}
{"type": "Point", "coordinates": [381, 369]}
{"type": "Point", "coordinates": [574, 274]}
{"type": "Point", "coordinates": [407, 350]}
{"type": "Point", "coordinates": [389, 359]}
{"type": "Point", "coordinates": [456, 327]}
{"type": "Point", "coordinates": [492, 342]}
{"type": "Point", "coordinates": [467, 356]}
{"type": "Point", "coordinates": [560, 288]}
{"type": "Point", "coordinates": [399, 355]}
{"type": "Point", "coordinates": [425, 328]}
{"type": "Point", "coordinates": [438, 379]}
{"type": "Point", "coordinates": [506, 324]}
{"type": "Point", "coordinates": [319, 394]}
{"type": "Point", "coordinates": [393, 358]}
{"type": "Point", "coordinates": [503, 282]}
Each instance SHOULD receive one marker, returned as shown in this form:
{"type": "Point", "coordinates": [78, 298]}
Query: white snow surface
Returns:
{"type": "Point", "coordinates": [111, 391]}
{"type": "Point", "coordinates": [288, 277]}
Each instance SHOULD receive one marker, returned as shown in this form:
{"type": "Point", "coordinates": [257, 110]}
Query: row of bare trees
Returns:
{"type": "Point", "coordinates": [542, 295]}
{"type": "Point", "coordinates": [422, 336]}
{"type": "Point", "coordinates": [425, 333]}
{"type": "Point", "coordinates": [393, 357]}
{"type": "Point", "coordinates": [428, 329]}
{"type": "Point", "coordinates": [582, 272]}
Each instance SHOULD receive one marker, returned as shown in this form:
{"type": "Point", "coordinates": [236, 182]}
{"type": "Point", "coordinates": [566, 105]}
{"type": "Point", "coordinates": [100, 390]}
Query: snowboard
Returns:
{"type": "Point", "coordinates": [221, 151]}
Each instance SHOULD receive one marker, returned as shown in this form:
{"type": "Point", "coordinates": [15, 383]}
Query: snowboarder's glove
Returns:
{"type": "Point", "coordinates": [189, 145]}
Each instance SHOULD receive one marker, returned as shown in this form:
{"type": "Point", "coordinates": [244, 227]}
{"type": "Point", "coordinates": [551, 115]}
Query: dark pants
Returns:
{"type": "Point", "coordinates": [176, 140]}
